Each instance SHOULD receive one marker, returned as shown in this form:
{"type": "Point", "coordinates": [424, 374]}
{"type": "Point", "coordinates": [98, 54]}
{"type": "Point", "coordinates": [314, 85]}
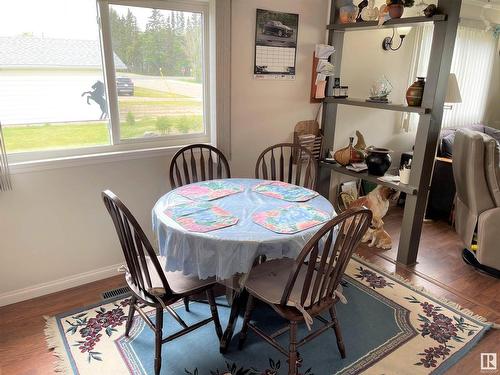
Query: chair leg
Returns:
{"type": "Point", "coordinates": [158, 338]}
{"type": "Point", "coordinates": [338, 334]}
{"type": "Point", "coordinates": [215, 313]}
{"type": "Point", "coordinates": [246, 320]}
{"type": "Point", "coordinates": [131, 312]}
{"type": "Point", "coordinates": [292, 351]}
{"type": "Point", "coordinates": [186, 303]}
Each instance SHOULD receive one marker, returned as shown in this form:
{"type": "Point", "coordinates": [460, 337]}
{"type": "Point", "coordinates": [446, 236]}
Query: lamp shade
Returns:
{"type": "Point", "coordinates": [404, 30]}
{"type": "Point", "coordinates": [453, 92]}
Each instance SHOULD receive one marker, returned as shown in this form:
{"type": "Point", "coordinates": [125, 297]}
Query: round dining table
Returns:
{"type": "Point", "coordinates": [228, 253]}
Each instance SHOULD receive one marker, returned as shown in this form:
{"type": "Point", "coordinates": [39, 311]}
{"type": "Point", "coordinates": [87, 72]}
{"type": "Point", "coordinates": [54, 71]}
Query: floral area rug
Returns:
{"type": "Point", "coordinates": [388, 328]}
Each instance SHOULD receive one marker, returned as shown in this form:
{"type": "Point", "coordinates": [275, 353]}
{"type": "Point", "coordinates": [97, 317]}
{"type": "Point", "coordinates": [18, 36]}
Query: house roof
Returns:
{"type": "Point", "coordinates": [34, 52]}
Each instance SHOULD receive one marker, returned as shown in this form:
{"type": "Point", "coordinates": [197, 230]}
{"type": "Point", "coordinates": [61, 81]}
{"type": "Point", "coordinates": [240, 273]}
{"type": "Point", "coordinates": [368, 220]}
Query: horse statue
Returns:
{"type": "Point", "coordinates": [98, 95]}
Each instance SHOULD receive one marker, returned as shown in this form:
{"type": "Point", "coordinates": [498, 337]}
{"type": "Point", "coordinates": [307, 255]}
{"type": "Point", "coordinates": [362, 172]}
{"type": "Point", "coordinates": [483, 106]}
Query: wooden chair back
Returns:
{"type": "Point", "coordinates": [324, 268]}
{"type": "Point", "coordinates": [277, 163]}
{"type": "Point", "coordinates": [196, 163]}
{"type": "Point", "coordinates": [136, 247]}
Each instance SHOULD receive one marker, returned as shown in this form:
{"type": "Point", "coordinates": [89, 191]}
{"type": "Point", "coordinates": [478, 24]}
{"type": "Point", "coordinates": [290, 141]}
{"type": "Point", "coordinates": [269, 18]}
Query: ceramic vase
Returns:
{"type": "Point", "coordinates": [396, 10]}
{"type": "Point", "coordinates": [415, 93]}
{"type": "Point", "coordinates": [378, 160]}
{"type": "Point", "coordinates": [348, 13]}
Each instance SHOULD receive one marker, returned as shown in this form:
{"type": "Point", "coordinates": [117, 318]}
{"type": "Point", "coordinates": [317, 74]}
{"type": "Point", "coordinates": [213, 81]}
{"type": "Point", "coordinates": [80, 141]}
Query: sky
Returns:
{"type": "Point", "coordinates": [69, 19]}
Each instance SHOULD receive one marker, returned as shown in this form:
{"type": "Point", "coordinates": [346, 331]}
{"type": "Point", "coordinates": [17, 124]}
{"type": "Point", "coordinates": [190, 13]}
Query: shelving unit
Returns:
{"type": "Point", "coordinates": [368, 177]}
{"type": "Point", "coordinates": [431, 114]}
{"type": "Point", "coordinates": [387, 106]}
{"type": "Point", "coordinates": [373, 25]}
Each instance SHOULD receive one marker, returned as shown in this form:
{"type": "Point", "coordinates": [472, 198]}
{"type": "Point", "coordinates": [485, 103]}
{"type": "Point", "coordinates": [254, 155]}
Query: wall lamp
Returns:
{"type": "Point", "coordinates": [387, 44]}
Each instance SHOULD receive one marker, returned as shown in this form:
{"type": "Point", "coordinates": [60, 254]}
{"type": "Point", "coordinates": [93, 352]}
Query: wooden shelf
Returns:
{"type": "Point", "coordinates": [395, 22]}
{"type": "Point", "coordinates": [368, 177]}
{"type": "Point", "coordinates": [389, 106]}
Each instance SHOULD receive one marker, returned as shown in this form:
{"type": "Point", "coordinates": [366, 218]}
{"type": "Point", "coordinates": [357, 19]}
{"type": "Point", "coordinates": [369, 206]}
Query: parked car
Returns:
{"type": "Point", "coordinates": [124, 86]}
{"type": "Point", "coordinates": [277, 28]}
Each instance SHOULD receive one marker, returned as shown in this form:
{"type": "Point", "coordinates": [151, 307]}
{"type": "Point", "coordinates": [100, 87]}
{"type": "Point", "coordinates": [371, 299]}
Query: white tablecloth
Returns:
{"type": "Point", "coordinates": [228, 251]}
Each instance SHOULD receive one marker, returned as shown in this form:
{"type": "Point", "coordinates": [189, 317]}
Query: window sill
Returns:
{"type": "Point", "coordinates": [89, 159]}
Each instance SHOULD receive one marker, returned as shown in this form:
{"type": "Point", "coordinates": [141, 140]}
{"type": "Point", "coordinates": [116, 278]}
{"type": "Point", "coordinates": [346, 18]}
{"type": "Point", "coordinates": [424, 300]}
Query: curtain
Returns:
{"type": "Point", "coordinates": [5, 183]}
{"type": "Point", "coordinates": [472, 63]}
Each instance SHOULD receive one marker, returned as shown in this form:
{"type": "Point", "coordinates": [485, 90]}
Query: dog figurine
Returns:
{"type": "Point", "coordinates": [377, 201]}
{"type": "Point", "coordinates": [378, 237]}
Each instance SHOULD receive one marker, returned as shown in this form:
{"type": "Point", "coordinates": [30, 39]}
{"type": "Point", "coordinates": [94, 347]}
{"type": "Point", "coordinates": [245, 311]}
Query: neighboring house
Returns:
{"type": "Point", "coordinates": [33, 52]}
{"type": "Point", "coordinates": [42, 79]}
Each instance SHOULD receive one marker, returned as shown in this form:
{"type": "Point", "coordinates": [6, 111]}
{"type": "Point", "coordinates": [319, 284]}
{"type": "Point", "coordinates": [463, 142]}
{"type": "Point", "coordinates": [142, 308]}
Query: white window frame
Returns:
{"type": "Point", "coordinates": [117, 146]}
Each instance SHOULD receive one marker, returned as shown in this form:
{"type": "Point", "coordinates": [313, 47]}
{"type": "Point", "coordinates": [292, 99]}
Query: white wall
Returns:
{"type": "Point", "coordinates": [265, 112]}
{"type": "Point", "coordinates": [53, 225]}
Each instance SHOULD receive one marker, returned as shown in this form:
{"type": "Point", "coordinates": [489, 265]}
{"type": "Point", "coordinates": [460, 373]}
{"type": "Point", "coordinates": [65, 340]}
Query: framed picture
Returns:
{"type": "Point", "coordinates": [275, 45]}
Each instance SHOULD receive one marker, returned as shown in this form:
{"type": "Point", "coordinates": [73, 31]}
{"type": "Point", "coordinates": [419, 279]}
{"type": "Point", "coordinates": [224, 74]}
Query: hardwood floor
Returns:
{"type": "Point", "coordinates": [440, 270]}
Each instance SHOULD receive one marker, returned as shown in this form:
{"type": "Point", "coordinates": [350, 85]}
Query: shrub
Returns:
{"type": "Point", "coordinates": [130, 119]}
{"type": "Point", "coordinates": [184, 125]}
{"type": "Point", "coordinates": [164, 124]}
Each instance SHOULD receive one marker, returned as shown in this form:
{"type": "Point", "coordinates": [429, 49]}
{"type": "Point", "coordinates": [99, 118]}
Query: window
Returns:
{"type": "Point", "coordinates": [52, 92]}
{"type": "Point", "coordinates": [472, 63]}
{"type": "Point", "coordinates": [135, 79]}
{"type": "Point", "coordinates": [160, 83]}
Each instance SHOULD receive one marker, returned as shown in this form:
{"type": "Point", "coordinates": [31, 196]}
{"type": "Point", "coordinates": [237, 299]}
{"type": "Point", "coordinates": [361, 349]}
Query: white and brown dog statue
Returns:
{"type": "Point", "coordinates": [377, 201]}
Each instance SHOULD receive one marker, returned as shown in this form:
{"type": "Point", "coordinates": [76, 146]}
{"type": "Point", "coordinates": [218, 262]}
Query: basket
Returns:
{"type": "Point", "coordinates": [308, 135]}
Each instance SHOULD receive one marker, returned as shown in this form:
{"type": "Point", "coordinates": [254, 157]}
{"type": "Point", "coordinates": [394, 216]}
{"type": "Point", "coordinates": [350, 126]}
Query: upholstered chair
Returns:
{"type": "Point", "coordinates": [476, 171]}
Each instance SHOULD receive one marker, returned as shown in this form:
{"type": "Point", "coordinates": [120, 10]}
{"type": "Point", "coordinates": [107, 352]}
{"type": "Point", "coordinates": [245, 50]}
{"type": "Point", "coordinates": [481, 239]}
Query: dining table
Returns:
{"type": "Point", "coordinates": [242, 233]}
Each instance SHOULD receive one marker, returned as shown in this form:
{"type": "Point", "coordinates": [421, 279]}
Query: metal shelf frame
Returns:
{"type": "Point", "coordinates": [431, 114]}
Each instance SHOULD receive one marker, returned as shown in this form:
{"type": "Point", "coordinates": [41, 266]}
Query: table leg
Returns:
{"type": "Point", "coordinates": [238, 302]}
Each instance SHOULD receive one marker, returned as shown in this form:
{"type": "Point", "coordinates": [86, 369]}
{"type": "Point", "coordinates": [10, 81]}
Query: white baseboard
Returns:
{"type": "Point", "coordinates": [34, 291]}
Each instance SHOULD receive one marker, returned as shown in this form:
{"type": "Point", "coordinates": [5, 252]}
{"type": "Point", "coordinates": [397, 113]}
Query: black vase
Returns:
{"type": "Point", "coordinates": [378, 160]}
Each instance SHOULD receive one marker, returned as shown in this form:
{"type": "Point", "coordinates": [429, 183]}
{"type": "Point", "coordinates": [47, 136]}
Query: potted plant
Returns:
{"type": "Point", "coordinates": [396, 7]}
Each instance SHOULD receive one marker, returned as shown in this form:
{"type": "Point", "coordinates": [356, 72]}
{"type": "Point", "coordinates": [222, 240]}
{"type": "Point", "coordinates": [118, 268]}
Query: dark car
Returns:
{"type": "Point", "coordinates": [277, 28]}
{"type": "Point", "coordinates": [124, 86]}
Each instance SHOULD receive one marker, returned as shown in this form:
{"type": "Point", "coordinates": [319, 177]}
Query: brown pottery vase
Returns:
{"type": "Point", "coordinates": [415, 93]}
{"type": "Point", "coordinates": [396, 10]}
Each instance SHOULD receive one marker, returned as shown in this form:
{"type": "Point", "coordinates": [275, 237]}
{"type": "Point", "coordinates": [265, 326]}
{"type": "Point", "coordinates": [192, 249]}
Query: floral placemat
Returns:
{"type": "Point", "coordinates": [207, 220]}
{"type": "Point", "coordinates": [187, 208]}
{"type": "Point", "coordinates": [209, 190]}
{"type": "Point", "coordinates": [285, 191]}
{"type": "Point", "coordinates": [291, 219]}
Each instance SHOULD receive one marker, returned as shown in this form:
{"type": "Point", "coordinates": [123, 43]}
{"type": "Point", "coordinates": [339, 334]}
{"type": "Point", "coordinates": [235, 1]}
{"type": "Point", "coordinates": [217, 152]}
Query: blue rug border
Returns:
{"type": "Point", "coordinates": [457, 356]}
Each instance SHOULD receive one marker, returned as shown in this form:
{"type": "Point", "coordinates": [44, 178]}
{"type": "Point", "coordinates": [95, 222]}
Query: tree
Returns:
{"type": "Point", "coordinates": [125, 39]}
{"type": "Point", "coordinates": [170, 45]}
{"type": "Point", "coordinates": [193, 46]}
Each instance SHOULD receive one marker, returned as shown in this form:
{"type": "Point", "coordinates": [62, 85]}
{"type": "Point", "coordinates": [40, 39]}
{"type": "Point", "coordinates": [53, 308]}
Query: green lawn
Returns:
{"type": "Point", "coordinates": [150, 93]}
{"type": "Point", "coordinates": [139, 115]}
{"type": "Point", "coordinates": [144, 106]}
{"type": "Point", "coordinates": [73, 135]}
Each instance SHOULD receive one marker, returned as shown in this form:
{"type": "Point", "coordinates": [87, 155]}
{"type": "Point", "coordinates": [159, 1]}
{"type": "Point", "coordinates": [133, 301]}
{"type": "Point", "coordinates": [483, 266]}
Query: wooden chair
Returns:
{"type": "Point", "coordinates": [150, 284]}
{"type": "Point", "coordinates": [198, 162]}
{"type": "Point", "coordinates": [302, 289]}
{"type": "Point", "coordinates": [194, 159]}
{"type": "Point", "coordinates": [277, 163]}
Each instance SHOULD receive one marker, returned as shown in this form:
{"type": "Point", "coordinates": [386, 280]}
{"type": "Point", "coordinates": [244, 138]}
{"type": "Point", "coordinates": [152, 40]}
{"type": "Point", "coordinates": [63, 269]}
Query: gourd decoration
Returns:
{"type": "Point", "coordinates": [360, 144]}
{"type": "Point", "coordinates": [370, 13]}
{"type": "Point", "coordinates": [348, 155]}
